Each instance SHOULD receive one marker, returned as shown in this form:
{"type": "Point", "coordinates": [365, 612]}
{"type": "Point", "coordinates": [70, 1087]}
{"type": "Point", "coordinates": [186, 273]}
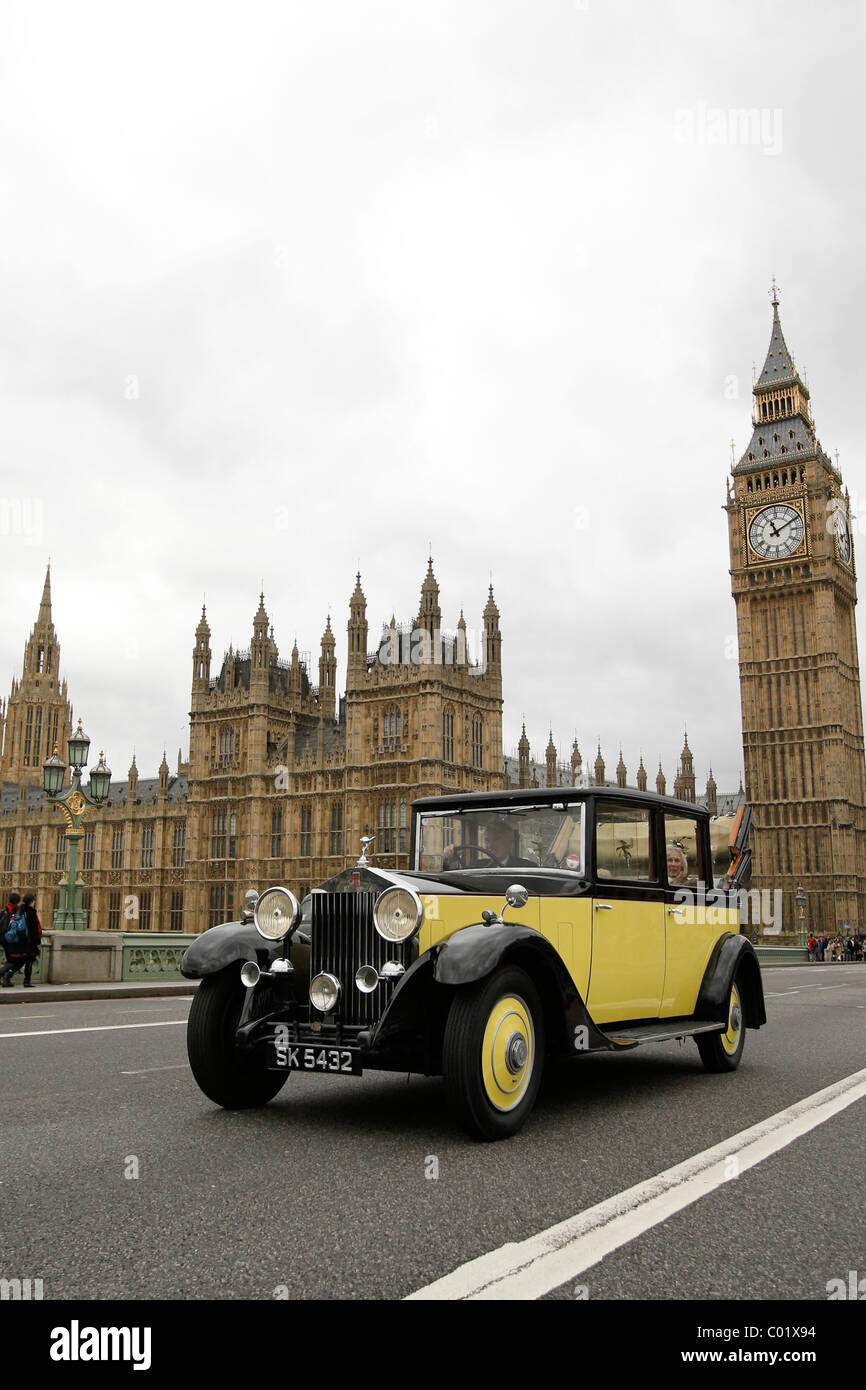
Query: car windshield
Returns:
{"type": "Point", "coordinates": [514, 837]}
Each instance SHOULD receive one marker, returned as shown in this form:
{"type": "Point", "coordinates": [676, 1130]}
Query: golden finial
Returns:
{"type": "Point", "coordinates": [774, 294]}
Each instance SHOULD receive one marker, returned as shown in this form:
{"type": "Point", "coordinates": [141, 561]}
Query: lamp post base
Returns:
{"type": "Point", "coordinates": [66, 920]}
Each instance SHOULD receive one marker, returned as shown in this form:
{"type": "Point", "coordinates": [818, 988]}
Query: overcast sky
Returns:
{"type": "Point", "coordinates": [289, 289]}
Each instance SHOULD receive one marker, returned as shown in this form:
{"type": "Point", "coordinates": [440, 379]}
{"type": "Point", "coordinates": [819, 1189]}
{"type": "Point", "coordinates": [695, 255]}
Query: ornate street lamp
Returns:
{"type": "Point", "coordinates": [75, 804]}
{"type": "Point", "coordinates": [800, 900]}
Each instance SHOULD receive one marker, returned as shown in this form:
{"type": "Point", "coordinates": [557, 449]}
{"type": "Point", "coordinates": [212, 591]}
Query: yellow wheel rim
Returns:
{"type": "Point", "coordinates": [731, 1039]}
{"type": "Point", "coordinates": [507, 1052]}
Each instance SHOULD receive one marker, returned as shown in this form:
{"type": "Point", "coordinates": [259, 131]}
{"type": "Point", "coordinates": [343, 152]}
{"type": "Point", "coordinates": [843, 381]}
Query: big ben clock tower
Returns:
{"type": "Point", "coordinates": [794, 584]}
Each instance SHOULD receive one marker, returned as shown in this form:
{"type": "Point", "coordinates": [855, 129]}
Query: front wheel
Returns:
{"type": "Point", "coordinates": [234, 1079]}
{"type": "Point", "coordinates": [724, 1051]}
{"type": "Point", "coordinates": [493, 1053]}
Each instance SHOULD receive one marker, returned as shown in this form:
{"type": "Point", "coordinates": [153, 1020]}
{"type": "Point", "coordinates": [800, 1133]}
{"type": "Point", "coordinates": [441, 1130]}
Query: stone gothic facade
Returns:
{"type": "Point", "coordinates": [284, 776]}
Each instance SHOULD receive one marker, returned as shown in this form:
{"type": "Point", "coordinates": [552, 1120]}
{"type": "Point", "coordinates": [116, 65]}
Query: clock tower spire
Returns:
{"type": "Point", "coordinates": [794, 585]}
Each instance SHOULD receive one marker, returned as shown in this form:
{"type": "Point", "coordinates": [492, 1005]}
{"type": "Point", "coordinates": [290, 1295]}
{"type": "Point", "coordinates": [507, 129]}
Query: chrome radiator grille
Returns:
{"type": "Point", "coordinates": [343, 939]}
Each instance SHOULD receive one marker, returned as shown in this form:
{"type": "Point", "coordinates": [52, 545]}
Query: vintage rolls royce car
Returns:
{"type": "Point", "coordinates": [530, 923]}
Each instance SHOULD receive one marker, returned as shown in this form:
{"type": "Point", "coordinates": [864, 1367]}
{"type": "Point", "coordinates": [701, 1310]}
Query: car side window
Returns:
{"type": "Point", "coordinates": [684, 852]}
{"type": "Point", "coordinates": [624, 844]}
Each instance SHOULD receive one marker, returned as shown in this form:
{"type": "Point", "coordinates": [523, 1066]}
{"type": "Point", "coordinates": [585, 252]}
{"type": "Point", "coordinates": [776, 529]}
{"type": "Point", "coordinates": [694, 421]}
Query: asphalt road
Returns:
{"type": "Point", "coordinates": [120, 1180]}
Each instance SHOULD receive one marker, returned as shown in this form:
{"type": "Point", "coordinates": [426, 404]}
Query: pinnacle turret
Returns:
{"type": "Point", "coordinates": [550, 760]}
{"type": "Point", "coordinates": [599, 768]}
{"type": "Point", "coordinates": [201, 656]}
{"type": "Point", "coordinates": [44, 619]}
{"type": "Point", "coordinates": [576, 762]}
{"type": "Point", "coordinates": [430, 614]}
{"type": "Point", "coordinates": [492, 635]}
{"type": "Point", "coordinates": [358, 629]}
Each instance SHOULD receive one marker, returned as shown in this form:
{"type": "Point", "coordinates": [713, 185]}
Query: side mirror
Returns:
{"type": "Point", "coordinates": [516, 895]}
{"type": "Point", "coordinates": [251, 897]}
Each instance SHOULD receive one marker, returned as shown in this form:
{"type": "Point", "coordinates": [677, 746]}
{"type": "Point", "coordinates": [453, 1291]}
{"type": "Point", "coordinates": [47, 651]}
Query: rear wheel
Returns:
{"type": "Point", "coordinates": [228, 1076]}
{"type": "Point", "coordinates": [493, 1053]}
{"type": "Point", "coordinates": [723, 1051]}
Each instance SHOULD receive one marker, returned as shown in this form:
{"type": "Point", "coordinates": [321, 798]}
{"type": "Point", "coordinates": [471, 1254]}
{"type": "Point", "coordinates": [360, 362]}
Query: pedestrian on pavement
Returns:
{"type": "Point", "coordinates": [22, 948]}
{"type": "Point", "coordinates": [812, 943]}
{"type": "Point", "coordinates": [6, 916]}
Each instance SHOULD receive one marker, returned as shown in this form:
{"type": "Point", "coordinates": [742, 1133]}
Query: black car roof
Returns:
{"type": "Point", "coordinates": [546, 796]}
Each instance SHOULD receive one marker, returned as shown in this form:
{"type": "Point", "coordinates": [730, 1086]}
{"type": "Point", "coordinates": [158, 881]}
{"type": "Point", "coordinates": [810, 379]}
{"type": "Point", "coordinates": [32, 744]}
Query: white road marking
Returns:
{"type": "Point", "coordinates": [100, 1028]}
{"type": "Point", "coordinates": [150, 1009]}
{"type": "Point", "coordinates": [530, 1268]}
{"type": "Point", "coordinates": [20, 1018]}
{"type": "Point", "coordinates": [175, 1066]}
{"type": "Point", "coordinates": [782, 994]}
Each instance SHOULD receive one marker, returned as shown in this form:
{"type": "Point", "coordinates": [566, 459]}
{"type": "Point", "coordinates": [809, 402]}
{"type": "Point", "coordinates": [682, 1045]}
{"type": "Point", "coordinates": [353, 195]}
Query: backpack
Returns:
{"type": "Point", "coordinates": [16, 932]}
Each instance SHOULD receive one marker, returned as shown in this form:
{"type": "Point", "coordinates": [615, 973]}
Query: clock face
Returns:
{"type": "Point", "coordinates": [843, 535]}
{"type": "Point", "coordinates": [776, 531]}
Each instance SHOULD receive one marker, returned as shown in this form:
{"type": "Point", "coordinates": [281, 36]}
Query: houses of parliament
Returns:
{"type": "Point", "coordinates": [285, 775]}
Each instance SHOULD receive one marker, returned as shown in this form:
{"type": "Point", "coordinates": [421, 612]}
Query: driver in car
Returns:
{"type": "Point", "coordinates": [500, 844]}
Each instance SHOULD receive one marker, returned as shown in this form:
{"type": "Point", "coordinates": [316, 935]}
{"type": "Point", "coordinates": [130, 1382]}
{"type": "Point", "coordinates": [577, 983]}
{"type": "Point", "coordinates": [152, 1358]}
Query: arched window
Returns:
{"type": "Point", "coordinates": [227, 745]}
{"type": "Point", "coordinates": [448, 735]}
{"type": "Point", "coordinates": [386, 832]}
{"type": "Point", "coordinates": [392, 727]}
{"type": "Point", "coordinates": [477, 742]}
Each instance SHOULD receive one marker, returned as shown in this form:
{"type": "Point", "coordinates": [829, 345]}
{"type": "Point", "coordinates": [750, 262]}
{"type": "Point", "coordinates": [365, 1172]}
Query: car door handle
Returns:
{"type": "Point", "coordinates": [675, 911]}
{"type": "Point", "coordinates": [604, 907]}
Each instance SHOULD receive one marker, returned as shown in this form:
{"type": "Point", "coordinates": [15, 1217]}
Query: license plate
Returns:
{"type": "Point", "coordinates": [300, 1057]}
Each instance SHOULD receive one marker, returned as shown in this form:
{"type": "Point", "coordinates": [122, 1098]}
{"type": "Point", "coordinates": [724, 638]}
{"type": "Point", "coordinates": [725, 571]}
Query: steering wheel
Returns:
{"type": "Point", "coordinates": [461, 853]}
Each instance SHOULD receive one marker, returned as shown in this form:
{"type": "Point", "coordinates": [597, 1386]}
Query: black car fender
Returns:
{"type": "Point", "coordinates": [474, 952]}
{"type": "Point", "coordinates": [732, 956]}
{"type": "Point", "coordinates": [220, 946]}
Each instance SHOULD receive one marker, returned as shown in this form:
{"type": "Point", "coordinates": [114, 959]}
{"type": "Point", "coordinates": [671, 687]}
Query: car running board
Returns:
{"type": "Point", "coordinates": [636, 1033]}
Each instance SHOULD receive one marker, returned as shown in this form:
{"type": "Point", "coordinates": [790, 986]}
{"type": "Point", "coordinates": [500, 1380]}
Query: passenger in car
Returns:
{"type": "Point", "coordinates": [678, 865]}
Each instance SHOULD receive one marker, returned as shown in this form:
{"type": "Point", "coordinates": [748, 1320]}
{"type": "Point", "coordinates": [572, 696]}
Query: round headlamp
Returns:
{"type": "Point", "coordinates": [397, 914]}
{"type": "Point", "coordinates": [324, 992]}
{"type": "Point", "coordinates": [276, 913]}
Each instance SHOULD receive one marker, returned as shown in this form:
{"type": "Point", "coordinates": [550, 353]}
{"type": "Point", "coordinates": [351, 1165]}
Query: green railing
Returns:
{"type": "Point", "coordinates": [782, 955]}
{"type": "Point", "coordinates": [154, 955]}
